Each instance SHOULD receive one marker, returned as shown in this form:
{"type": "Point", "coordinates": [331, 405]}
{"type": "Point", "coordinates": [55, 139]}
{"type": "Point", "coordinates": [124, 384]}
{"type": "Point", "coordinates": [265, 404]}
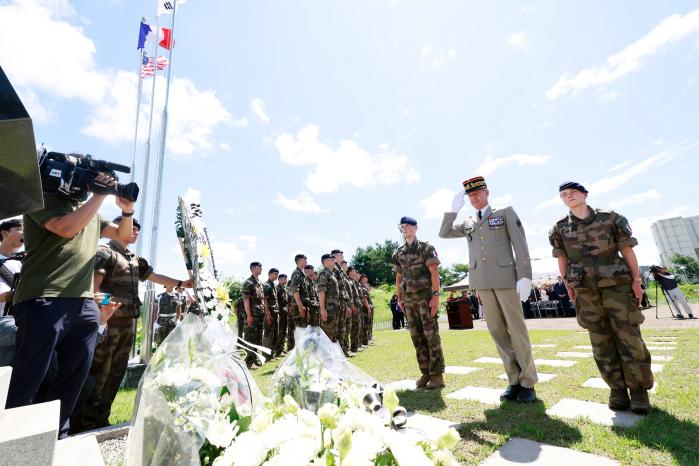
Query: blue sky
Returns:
{"type": "Point", "coordinates": [311, 125]}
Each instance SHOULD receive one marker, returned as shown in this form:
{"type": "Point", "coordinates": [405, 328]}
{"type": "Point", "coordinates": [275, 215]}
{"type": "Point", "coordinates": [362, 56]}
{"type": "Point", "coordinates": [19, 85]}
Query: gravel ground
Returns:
{"type": "Point", "coordinates": [113, 451]}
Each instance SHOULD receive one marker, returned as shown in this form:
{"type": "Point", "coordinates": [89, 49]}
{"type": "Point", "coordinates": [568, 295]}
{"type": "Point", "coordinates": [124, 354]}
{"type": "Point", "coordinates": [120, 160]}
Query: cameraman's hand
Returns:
{"type": "Point", "coordinates": [100, 185]}
{"type": "Point", "coordinates": [124, 204]}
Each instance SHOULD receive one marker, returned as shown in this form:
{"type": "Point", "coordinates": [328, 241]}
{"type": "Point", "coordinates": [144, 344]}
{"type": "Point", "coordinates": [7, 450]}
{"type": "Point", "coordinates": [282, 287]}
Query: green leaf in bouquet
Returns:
{"type": "Point", "coordinates": [233, 414]}
{"type": "Point", "coordinates": [385, 458]}
{"type": "Point", "coordinates": [244, 424]}
{"type": "Point", "coordinates": [224, 391]}
{"type": "Point", "coordinates": [192, 350]}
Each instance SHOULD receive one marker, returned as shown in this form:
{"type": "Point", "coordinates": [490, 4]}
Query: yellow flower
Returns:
{"type": "Point", "coordinates": [204, 251]}
{"type": "Point", "coordinates": [390, 399]}
{"type": "Point", "coordinates": [222, 294]}
{"type": "Point", "coordinates": [449, 439]}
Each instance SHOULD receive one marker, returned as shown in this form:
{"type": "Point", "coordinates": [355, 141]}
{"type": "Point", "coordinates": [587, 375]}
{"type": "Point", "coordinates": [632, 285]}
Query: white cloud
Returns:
{"type": "Point", "coordinates": [257, 106]}
{"type": "Point", "coordinates": [228, 253]}
{"type": "Point", "coordinates": [635, 199]}
{"type": "Point", "coordinates": [240, 123]}
{"type": "Point", "coordinates": [302, 203]}
{"type": "Point", "coordinates": [490, 164]}
{"type": "Point", "coordinates": [628, 172]}
{"type": "Point", "coordinates": [437, 203]}
{"type": "Point", "coordinates": [68, 70]}
{"type": "Point", "coordinates": [630, 59]}
{"type": "Point", "coordinates": [519, 41]}
{"type": "Point", "coordinates": [501, 201]}
{"type": "Point", "coordinates": [359, 167]}
{"type": "Point", "coordinates": [436, 59]}
{"type": "Point", "coordinates": [249, 240]}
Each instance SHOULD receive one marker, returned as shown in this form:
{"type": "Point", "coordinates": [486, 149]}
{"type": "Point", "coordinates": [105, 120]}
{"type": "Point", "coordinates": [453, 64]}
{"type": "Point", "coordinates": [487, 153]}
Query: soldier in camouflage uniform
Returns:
{"type": "Point", "coordinates": [366, 311]}
{"type": "Point", "coordinates": [359, 304]}
{"type": "Point", "coordinates": [417, 286]}
{"type": "Point", "coordinates": [253, 300]}
{"type": "Point", "coordinates": [352, 292]}
{"type": "Point", "coordinates": [117, 272]}
{"type": "Point", "coordinates": [345, 297]}
{"type": "Point", "coordinates": [600, 271]}
{"type": "Point", "coordinates": [283, 300]}
{"type": "Point", "coordinates": [370, 325]}
{"type": "Point", "coordinates": [169, 312]}
{"type": "Point", "coordinates": [271, 325]}
{"type": "Point", "coordinates": [313, 315]}
{"type": "Point", "coordinates": [298, 287]}
{"type": "Point", "coordinates": [329, 297]}
{"type": "Point", "coordinates": [241, 317]}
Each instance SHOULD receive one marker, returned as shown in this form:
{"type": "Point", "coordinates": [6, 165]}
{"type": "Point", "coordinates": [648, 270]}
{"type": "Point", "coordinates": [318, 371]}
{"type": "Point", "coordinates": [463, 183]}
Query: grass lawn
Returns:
{"type": "Point", "coordinates": [668, 435]}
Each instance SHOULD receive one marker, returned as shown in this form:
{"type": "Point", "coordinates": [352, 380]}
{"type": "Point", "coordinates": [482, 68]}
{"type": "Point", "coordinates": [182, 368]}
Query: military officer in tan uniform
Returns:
{"type": "Point", "coordinates": [503, 280]}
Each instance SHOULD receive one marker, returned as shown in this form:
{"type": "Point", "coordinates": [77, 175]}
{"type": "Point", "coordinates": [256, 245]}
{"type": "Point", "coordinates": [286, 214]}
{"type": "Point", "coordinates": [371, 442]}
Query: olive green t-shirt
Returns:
{"type": "Point", "coordinates": [55, 266]}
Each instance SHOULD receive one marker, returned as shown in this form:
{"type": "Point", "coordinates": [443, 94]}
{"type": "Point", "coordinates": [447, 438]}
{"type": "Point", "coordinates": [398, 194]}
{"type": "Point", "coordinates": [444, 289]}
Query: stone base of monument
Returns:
{"type": "Point", "coordinates": [134, 372]}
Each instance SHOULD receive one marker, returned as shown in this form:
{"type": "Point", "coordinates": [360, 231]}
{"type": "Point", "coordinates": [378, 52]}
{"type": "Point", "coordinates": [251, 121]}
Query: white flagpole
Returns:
{"type": "Point", "coordinates": [138, 108]}
{"type": "Point", "coordinates": [146, 165]}
{"type": "Point", "coordinates": [155, 209]}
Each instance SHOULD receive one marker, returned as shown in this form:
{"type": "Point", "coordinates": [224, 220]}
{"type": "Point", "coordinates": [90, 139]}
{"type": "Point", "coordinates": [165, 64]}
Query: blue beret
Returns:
{"type": "Point", "coordinates": [572, 185]}
{"type": "Point", "coordinates": [408, 221]}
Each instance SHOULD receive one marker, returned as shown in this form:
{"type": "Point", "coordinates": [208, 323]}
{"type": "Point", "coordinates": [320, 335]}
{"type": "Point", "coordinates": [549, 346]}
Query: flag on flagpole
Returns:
{"type": "Point", "coordinates": [143, 32]}
{"type": "Point", "coordinates": [147, 66]}
{"type": "Point", "coordinates": [165, 7]}
{"type": "Point", "coordinates": [165, 38]}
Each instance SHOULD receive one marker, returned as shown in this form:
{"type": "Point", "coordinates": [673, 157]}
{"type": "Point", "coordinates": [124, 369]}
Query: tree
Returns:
{"type": "Point", "coordinates": [450, 275]}
{"type": "Point", "coordinates": [686, 266]}
{"type": "Point", "coordinates": [235, 289]}
{"type": "Point", "coordinates": [375, 262]}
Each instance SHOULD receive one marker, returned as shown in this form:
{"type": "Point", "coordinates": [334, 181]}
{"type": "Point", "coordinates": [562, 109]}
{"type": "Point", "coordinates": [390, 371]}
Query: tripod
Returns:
{"type": "Point", "coordinates": [668, 298]}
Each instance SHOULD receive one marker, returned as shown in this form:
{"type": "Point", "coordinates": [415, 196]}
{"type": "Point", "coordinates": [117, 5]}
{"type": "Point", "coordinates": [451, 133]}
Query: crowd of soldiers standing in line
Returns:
{"type": "Point", "coordinates": [337, 300]}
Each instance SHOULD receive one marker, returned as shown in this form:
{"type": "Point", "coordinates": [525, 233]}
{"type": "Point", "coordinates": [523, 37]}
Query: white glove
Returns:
{"type": "Point", "coordinates": [458, 201]}
{"type": "Point", "coordinates": [524, 288]}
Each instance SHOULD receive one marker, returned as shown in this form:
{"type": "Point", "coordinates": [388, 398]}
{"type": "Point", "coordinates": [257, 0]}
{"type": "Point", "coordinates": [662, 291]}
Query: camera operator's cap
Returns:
{"type": "Point", "coordinates": [255, 264]}
{"type": "Point", "coordinates": [572, 185]}
{"type": "Point", "coordinates": [135, 222]}
{"type": "Point", "coordinates": [308, 267]}
{"type": "Point", "coordinates": [273, 270]}
{"type": "Point", "coordinates": [326, 256]}
{"type": "Point", "coordinates": [336, 251]}
{"type": "Point", "coordinates": [474, 184]}
{"type": "Point", "coordinates": [408, 221]}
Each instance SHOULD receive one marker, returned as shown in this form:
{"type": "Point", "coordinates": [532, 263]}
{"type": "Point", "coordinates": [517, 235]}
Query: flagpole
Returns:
{"type": "Point", "coordinates": [138, 110]}
{"type": "Point", "coordinates": [144, 180]}
{"type": "Point", "coordinates": [155, 208]}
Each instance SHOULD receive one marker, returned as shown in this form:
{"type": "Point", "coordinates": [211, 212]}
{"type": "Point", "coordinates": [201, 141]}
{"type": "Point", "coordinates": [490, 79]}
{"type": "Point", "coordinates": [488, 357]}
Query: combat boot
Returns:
{"type": "Point", "coordinates": [422, 381]}
{"type": "Point", "coordinates": [618, 399]}
{"type": "Point", "coordinates": [436, 381]}
{"type": "Point", "coordinates": [639, 401]}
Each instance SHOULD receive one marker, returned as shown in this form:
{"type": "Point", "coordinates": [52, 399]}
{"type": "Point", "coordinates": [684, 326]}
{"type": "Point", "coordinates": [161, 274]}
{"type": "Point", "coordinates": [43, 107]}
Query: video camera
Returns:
{"type": "Point", "coordinates": [73, 175]}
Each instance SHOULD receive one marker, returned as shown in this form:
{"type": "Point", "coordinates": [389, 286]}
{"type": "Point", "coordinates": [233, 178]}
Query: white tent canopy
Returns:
{"type": "Point", "coordinates": [460, 285]}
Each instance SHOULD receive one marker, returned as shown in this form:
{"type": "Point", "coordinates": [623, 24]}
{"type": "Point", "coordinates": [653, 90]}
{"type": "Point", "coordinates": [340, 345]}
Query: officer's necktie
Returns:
{"type": "Point", "coordinates": [480, 215]}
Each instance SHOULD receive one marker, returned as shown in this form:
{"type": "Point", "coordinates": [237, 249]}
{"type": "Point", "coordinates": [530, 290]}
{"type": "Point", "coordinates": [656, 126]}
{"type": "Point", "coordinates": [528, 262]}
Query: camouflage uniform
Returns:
{"type": "Point", "coordinates": [343, 284]}
{"type": "Point", "coordinates": [327, 283]}
{"type": "Point", "coordinates": [122, 271]}
{"type": "Point", "coordinates": [297, 284]}
{"type": "Point", "coordinates": [412, 262]}
{"type": "Point", "coordinates": [605, 304]}
{"type": "Point", "coordinates": [252, 289]}
{"type": "Point", "coordinates": [271, 331]}
{"type": "Point", "coordinates": [313, 317]}
{"type": "Point", "coordinates": [356, 317]}
{"type": "Point", "coordinates": [366, 320]}
{"type": "Point", "coordinates": [283, 301]}
{"type": "Point", "coordinates": [241, 317]}
{"type": "Point", "coordinates": [167, 313]}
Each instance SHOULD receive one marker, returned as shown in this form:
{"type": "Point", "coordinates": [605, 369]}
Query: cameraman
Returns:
{"type": "Point", "coordinates": [668, 283]}
{"type": "Point", "coordinates": [54, 306]}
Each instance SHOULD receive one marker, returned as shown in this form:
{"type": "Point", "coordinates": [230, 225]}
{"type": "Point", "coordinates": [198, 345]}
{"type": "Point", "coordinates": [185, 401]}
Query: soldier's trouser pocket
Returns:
{"type": "Point", "coordinates": [586, 303]}
{"type": "Point", "coordinates": [636, 316]}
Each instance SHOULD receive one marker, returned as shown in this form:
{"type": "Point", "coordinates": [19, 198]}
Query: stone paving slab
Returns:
{"type": "Point", "coordinates": [598, 382]}
{"type": "Point", "coordinates": [661, 348]}
{"type": "Point", "coordinates": [584, 347]}
{"type": "Point", "coordinates": [596, 412]}
{"type": "Point", "coordinates": [544, 345]}
{"type": "Point", "coordinates": [520, 451]}
{"type": "Point", "coordinates": [573, 354]}
{"type": "Point", "coordinates": [489, 396]}
{"type": "Point", "coordinates": [554, 362]}
{"type": "Point", "coordinates": [405, 384]}
{"type": "Point", "coordinates": [488, 360]}
{"type": "Point", "coordinates": [660, 358]}
{"type": "Point", "coordinates": [422, 425]}
{"type": "Point", "coordinates": [657, 368]}
{"type": "Point", "coordinates": [663, 337]}
{"type": "Point", "coordinates": [460, 370]}
{"type": "Point", "coordinates": [542, 377]}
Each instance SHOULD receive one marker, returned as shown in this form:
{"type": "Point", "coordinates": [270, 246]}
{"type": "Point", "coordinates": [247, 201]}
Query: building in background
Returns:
{"type": "Point", "coordinates": [677, 235]}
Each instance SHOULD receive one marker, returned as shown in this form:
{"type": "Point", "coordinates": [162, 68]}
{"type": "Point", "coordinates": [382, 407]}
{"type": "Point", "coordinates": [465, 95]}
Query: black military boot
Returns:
{"type": "Point", "coordinates": [526, 395]}
{"type": "Point", "coordinates": [619, 399]}
{"type": "Point", "coordinates": [640, 404]}
{"type": "Point", "coordinates": [511, 392]}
